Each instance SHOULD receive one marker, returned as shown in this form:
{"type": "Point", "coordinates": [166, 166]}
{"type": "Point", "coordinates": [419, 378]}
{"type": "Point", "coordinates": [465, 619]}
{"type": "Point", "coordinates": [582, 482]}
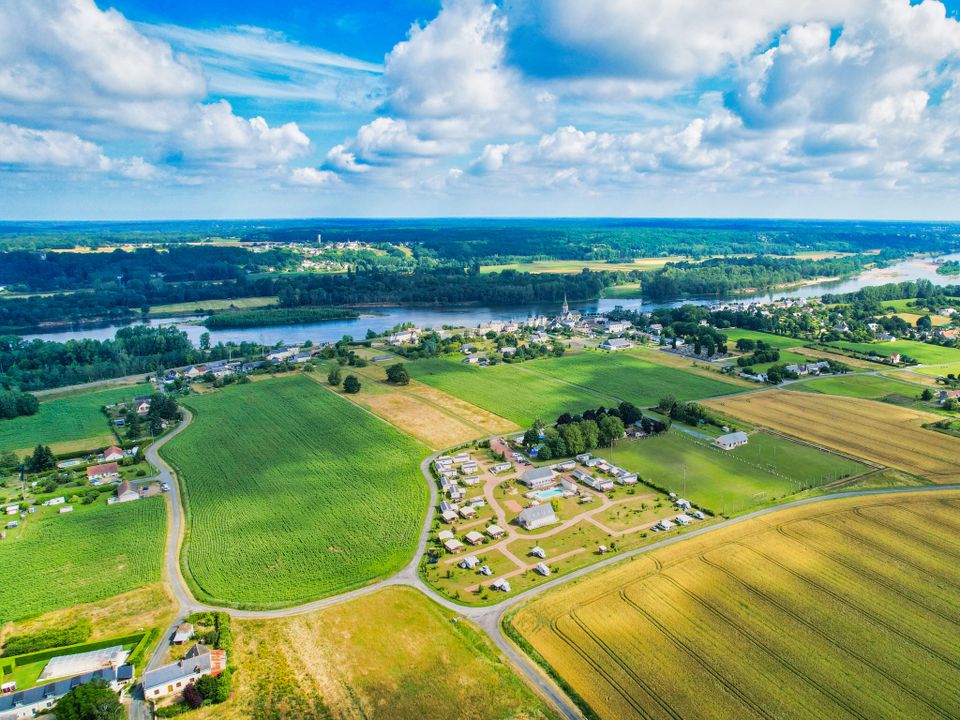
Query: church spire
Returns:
{"type": "Point", "coordinates": [566, 305]}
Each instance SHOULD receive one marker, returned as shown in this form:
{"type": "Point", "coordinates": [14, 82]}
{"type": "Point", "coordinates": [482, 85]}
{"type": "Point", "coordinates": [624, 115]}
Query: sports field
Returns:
{"type": "Point", "coordinates": [880, 432]}
{"type": "Point", "coordinates": [393, 654]}
{"type": "Point", "coordinates": [199, 306]}
{"type": "Point", "coordinates": [293, 493]}
{"type": "Point", "coordinates": [870, 387]}
{"type": "Point", "coordinates": [921, 352]}
{"type": "Point", "coordinates": [67, 424]}
{"type": "Point", "coordinates": [842, 609]}
{"type": "Point", "coordinates": [55, 561]}
{"type": "Point", "coordinates": [729, 481]}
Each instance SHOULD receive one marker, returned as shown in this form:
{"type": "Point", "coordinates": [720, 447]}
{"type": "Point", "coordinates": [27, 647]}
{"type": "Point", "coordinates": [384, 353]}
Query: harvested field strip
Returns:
{"type": "Point", "coordinates": [837, 626]}
{"type": "Point", "coordinates": [879, 432]}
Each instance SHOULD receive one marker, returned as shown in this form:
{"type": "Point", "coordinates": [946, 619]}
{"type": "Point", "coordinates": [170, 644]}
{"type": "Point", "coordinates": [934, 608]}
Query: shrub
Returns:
{"type": "Point", "coordinates": [43, 639]}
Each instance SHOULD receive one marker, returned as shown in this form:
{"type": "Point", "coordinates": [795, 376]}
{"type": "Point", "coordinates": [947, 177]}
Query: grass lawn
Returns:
{"type": "Point", "coordinates": [905, 306]}
{"type": "Point", "coordinates": [627, 291]}
{"type": "Point", "coordinates": [869, 387]}
{"type": "Point", "coordinates": [628, 377]}
{"type": "Point", "coordinates": [199, 306]}
{"type": "Point", "coordinates": [732, 481]}
{"type": "Point", "coordinates": [67, 424]}
{"type": "Point", "coordinates": [911, 319]}
{"type": "Point", "coordinates": [391, 655]}
{"type": "Point", "coordinates": [97, 551]}
{"type": "Point", "coordinates": [293, 493]}
{"type": "Point", "coordinates": [921, 352]}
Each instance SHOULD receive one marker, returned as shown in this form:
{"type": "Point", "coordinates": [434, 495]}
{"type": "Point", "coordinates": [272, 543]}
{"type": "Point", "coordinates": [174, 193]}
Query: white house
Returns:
{"type": "Point", "coordinates": [537, 516]}
{"type": "Point", "coordinates": [615, 344]}
{"type": "Point", "coordinates": [731, 440]}
{"type": "Point", "coordinates": [537, 478]}
{"type": "Point", "coordinates": [174, 678]}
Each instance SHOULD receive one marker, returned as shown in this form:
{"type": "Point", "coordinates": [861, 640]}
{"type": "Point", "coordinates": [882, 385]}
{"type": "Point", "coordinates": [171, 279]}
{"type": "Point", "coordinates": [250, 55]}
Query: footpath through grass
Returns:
{"type": "Point", "coordinates": [99, 550]}
{"type": "Point", "coordinates": [67, 424]}
{"type": "Point", "coordinates": [293, 493]}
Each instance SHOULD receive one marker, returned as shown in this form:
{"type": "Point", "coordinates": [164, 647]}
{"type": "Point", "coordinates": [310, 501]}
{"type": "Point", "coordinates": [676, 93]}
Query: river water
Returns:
{"type": "Point", "coordinates": [473, 315]}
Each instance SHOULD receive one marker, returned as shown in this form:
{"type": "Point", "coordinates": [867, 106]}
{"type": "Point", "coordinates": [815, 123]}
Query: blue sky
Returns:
{"type": "Point", "coordinates": [176, 109]}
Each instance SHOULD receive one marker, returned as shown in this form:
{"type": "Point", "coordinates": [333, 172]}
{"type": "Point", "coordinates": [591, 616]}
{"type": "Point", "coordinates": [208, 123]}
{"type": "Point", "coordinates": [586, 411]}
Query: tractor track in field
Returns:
{"type": "Point", "coordinates": [812, 627]}
{"type": "Point", "coordinates": [489, 618]}
{"type": "Point", "coordinates": [815, 547]}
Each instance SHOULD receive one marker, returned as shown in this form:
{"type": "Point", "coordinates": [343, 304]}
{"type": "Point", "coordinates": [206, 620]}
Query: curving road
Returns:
{"type": "Point", "coordinates": [489, 618]}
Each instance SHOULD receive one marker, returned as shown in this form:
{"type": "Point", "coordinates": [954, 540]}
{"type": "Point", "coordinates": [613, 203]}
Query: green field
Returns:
{"type": "Point", "coordinates": [202, 306]}
{"type": "Point", "coordinates": [921, 352]}
{"type": "Point", "coordinates": [943, 370]}
{"type": "Point", "coordinates": [905, 306]}
{"type": "Point", "coordinates": [293, 493]}
{"type": "Point", "coordinates": [778, 341]}
{"type": "Point", "coordinates": [729, 481]}
{"type": "Point", "coordinates": [54, 561]}
{"type": "Point", "coordinates": [546, 388]}
{"type": "Point", "coordinates": [869, 387]}
{"type": "Point", "coordinates": [627, 377]}
{"type": "Point", "coordinates": [506, 390]}
{"type": "Point", "coordinates": [576, 266]}
{"type": "Point", "coordinates": [67, 424]}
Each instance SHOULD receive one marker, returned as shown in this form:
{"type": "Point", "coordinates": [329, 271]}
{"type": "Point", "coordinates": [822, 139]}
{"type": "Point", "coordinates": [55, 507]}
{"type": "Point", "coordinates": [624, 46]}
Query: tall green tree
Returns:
{"type": "Point", "coordinates": [93, 701]}
{"type": "Point", "coordinates": [334, 377]}
{"type": "Point", "coordinates": [398, 375]}
{"type": "Point", "coordinates": [351, 384]}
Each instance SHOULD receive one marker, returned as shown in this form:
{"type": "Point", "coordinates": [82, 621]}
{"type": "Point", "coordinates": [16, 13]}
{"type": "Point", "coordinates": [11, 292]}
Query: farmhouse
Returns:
{"type": "Point", "coordinates": [945, 395]}
{"type": "Point", "coordinates": [537, 478]}
{"type": "Point", "coordinates": [535, 517]}
{"type": "Point", "coordinates": [404, 337]}
{"type": "Point", "coordinates": [174, 678]}
{"type": "Point", "coordinates": [473, 537]}
{"type": "Point", "coordinates": [112, 453]}
{"type": "Point", "coordinates": [126, 492]}
{"type": "Point", "coordinates": [731, 440]}
{"type": "Point", "coordinates": [106, 471]}
{"type": "Point", "coordinates": [615, 344]}
{"type": "Point", "coordinates": [41, 699]}
{"type": "Point", "coordinates": [618, 326]}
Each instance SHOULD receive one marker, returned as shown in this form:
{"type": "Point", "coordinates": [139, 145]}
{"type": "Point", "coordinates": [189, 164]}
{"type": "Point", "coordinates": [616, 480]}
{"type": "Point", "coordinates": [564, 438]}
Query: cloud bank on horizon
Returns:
{"type": "Point", "coordinates": [549, 107]}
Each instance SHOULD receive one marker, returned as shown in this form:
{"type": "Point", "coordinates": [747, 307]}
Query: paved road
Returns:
{"type": "Point", "coordinates": [489, 618]}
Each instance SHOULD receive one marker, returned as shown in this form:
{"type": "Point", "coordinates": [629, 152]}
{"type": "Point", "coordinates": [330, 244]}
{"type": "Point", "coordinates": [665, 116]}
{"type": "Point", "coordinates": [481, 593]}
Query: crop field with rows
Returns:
{"type": "Point", "coordinates": [293, 493]}
{"type": "Point", "coordinates": [67, 424]}
{"type": "Point", "coordinates": [843, 609]}
{"type": "Point", "coordinates": [881, 432]}
{"type": "Point", "coordinates": [631, 378]}
{"type": "Point", "coordinates": [54, 561]}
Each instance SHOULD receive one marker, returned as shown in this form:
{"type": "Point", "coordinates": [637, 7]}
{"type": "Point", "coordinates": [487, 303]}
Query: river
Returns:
{"type": "Point", "coordinates": [473, 315]}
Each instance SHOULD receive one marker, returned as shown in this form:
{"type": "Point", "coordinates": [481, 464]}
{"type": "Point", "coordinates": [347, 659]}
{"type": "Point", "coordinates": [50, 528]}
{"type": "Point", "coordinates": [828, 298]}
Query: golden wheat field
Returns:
{"type": "Point", "coordinates": [881, 432]}
{"type": "Point", "coordinates": [843, 609]}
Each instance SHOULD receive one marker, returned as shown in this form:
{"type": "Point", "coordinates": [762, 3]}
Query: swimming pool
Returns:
{"type": "Point", "coordinates": [546, 494]}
